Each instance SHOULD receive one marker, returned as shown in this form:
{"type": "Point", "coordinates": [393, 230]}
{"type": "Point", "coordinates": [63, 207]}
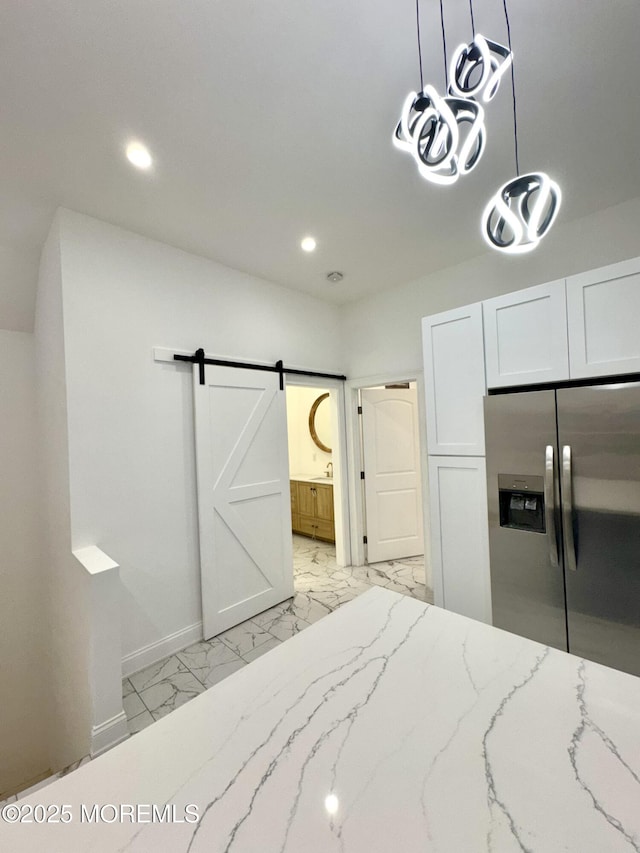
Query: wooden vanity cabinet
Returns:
{"type": "Point", "coordinates": [312, 510]}
{"type": "Point", "coordinates": [295, 515]}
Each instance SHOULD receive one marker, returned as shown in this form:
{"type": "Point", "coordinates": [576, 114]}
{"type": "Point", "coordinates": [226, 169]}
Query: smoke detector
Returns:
{"type": "Point", "coordinates": [334, 277]}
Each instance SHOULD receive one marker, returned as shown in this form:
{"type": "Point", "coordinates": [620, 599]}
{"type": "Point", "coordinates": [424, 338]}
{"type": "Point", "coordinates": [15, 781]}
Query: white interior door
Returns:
{"type": "Point", "coordinates": [393, 496]}
{"type": "Point", "coordinates": [244, 506]}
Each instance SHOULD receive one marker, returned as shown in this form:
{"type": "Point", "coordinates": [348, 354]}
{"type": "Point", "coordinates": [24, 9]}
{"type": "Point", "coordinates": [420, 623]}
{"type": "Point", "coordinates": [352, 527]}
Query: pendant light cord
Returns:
{"type": "Point", "coordinates": [444, 50]}
{"type": "Point", "coordinates": [419, 46]}
{"type": "Point", "coordinates": [513, 91]}
{"type": "Point", "coordinates": [473, 23]}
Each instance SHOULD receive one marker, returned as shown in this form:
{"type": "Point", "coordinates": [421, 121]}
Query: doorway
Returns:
{"type": "Point", "coordinates": [319, 497]}
{"type": "Point", "coordinates": [320, 462]}
{"type": "Point", "coordinates": [390, 519]}
{"type": "Point", "coordinates": [321, 581]}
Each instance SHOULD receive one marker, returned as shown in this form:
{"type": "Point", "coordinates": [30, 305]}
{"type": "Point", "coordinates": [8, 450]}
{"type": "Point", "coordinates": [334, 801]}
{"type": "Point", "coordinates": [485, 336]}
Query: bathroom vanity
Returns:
{"type": "Point", "coordinates": [312, 507]}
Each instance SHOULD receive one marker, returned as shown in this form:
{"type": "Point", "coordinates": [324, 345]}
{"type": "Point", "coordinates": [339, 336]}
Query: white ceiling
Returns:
{"type": "Point", "coordinates": [271, 120]}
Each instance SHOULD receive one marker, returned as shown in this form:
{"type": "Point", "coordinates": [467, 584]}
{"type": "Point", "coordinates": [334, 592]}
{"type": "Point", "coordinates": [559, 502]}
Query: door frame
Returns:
{"type": "Point", "coordinates": [341, 471]}
{"type": "Point", "coordinates": [354, 449]}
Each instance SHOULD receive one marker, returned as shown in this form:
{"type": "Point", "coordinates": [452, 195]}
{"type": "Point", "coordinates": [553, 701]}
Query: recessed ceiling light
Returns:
{"type": "Point", "coordinates": [138, 155]}
{"type": "Point", "coordinates": [308, 244]}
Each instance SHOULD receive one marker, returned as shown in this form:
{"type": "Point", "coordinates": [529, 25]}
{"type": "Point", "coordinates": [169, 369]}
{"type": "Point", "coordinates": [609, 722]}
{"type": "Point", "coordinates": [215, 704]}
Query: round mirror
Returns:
{"type": "Point", "coordinates": [320, 423]}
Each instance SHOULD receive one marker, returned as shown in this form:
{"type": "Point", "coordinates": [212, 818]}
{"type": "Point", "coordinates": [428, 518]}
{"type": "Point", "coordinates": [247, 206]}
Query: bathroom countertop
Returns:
{"type": "Point", "coordinates": [428, 731]}
{"type": "Point", "coordinates": [311, 478]}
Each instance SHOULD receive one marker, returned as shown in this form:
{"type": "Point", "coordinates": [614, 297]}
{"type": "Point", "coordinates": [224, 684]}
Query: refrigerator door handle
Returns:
{"type": "Point", "coordinates": [567, 508]}
{"type": "Point", "coordinates": [550, 505]}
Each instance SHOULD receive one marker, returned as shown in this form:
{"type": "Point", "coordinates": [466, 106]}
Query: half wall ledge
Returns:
{"type": "Point", "coordinates": [109, 722]}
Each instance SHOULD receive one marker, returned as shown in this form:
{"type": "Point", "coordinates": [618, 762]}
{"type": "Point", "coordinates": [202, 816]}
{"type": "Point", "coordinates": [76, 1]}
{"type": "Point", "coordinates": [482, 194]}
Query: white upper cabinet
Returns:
{"type": "Point", "coordinates": [526, 336]}
{"type": "Point", "coordinates": [453, 347]}
{"type": "Point", "coordinates": [604, 307]}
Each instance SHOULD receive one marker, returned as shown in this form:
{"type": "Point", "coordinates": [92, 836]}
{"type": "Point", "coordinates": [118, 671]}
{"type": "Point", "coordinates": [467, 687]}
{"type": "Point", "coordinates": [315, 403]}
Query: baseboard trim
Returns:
{"type": "Point", "coordinates": [109, 733]}
{"type": "Point", "coordinates": [154, 652]}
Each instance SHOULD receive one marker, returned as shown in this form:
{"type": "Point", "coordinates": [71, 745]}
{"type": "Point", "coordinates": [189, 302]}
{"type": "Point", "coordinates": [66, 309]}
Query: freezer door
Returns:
{"type": "Point", "coordinates": [527, 586]}
{"type": "Point", "coordinates": [599, 434]}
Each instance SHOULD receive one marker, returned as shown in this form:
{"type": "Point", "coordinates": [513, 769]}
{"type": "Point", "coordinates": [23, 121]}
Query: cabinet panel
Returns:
{"type": "Point", "coordinates": [324, 503]}
{"type": "Point", "coordinates": [314, 514]}
{"type": "Point", "coordinates": [525, 336]}
{"type": "Point", "coordinates": [453, 349]}
{"type": "Point", "coordinates": [459, 535]}
{"type": "Point", "coordinates": [603, 310]}
{"type": "Point", "coordinates": [324, 530]}
{"type": "Point", "coordinates": [306, 499]}
{"type": "Point", "coordinates": [306, 525]}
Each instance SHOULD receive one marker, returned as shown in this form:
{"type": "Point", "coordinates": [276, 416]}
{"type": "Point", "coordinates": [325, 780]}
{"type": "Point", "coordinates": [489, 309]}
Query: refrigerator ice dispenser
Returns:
{"type": "Point", "coordinates": [521, 501]}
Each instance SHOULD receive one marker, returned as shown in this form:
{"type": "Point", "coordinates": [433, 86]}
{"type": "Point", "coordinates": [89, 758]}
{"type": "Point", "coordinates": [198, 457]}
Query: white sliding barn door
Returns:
{"type": "Point", "coordinates": [244, 505]}
{"type": "Point", "coordinates": [393, 495]}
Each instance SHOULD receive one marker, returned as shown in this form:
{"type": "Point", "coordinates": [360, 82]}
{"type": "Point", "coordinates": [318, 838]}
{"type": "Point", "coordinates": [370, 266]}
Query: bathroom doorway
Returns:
{"type": "Point", "coordinates": [319, 498]}
{"type": "Point", "coordinates": [318, 463]}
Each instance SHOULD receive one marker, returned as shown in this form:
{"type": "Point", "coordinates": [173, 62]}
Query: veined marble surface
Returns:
{"type": "Point", "coordinates": [427, 732]}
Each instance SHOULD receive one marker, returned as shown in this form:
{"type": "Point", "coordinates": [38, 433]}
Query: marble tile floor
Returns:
{"type": "Point", "coordinates": [320, 587]}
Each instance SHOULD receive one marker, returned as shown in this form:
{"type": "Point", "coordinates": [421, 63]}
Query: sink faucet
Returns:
{"type": "Point", "coordinates": [330, 469]}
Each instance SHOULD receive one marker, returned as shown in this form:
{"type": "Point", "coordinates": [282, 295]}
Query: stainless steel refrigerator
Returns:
{"type": "Point", "coordinates": [563, 479]}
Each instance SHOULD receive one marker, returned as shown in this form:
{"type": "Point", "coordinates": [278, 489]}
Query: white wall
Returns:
{"type": "Point", "coordinates": [131, 449]}
{"type": "Point", "coordinates": [67, 630]}
{"type": "Point", "coordinates": [383, 332]}
{"type": "Point", "coordinates": [18, 272]}
{"type": "Point", "coordinates": [305, 457]}
{"type": "Point", "coordinates": [23, 674]}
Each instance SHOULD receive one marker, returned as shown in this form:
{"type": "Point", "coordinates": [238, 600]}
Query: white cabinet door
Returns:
{"type": "Point", "coordinates": [453, 348]}
{"type": "Point", "coordinates": [459, 535]}
{"type": "Point", "coordinates": [393, 494]}
{"type": "Point", "coordinates": [244, 504]}
{"type": "Point", "coordinates": [603, 309]}
{"type": "Point", "coordinates": [525, 336]}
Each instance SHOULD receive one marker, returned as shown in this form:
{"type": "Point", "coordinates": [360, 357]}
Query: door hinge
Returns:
{"type": "Point", "coordinates": [362, 475]}
{"type": "Point", "coordinates": [359, 410]}
{"type": "Point", "coordinates": [364, 539]}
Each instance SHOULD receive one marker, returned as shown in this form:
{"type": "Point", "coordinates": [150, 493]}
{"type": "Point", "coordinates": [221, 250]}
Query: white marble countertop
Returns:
{"type": "Point", "coordinates": [312, 478]}
{"type": "Point", "coordinates": [431, 731]}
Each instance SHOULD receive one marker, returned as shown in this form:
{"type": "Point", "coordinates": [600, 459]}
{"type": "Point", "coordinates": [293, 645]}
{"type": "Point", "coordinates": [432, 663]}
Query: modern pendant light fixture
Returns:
{"type": "Point", "coordinates": [444, 134]}
{"type": "Point", "coordinates": [430, 130]}
{"type": "Point", "coordinates": [523, 209]}
{"type": "Point", "coordinates": [477, 68]}
{"type": "Point", "coordinates": [521, 212]}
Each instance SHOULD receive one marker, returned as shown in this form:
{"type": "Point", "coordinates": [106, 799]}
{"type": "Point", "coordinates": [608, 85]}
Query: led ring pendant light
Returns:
{"type": "Point", "coordinates": [523, 209]}
{"type": "Point", "coordinates": [430, 129]}
{"type": "Point", "coordinates": [521, 212]}
{"type": "Point", "coordinates": [446, 136]}
{"type": "Point", "coordinates": [491, 58]}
